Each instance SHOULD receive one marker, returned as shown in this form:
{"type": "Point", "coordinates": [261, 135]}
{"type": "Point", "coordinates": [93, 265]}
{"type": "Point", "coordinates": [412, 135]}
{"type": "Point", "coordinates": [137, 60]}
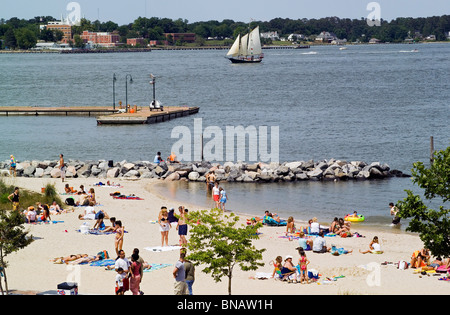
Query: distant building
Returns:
{"type": "Point", "coordinates": [295, 37]}
{"type": "Point", "coordinates": [447, 34]}
{"type": "Point", "coordinates": [431, 37]}
{"type": "Point", "coordinates": [51, 46]}
{"type": "Point", "coordinates": [136, 41]}
{"type": "Point", "coordinates": [374, 41]}
{"type": "Point", "coordinates": [101, 39]}
{"type": "Point", "coordinates": [326, 37]}
{"type": "Point", "coordinates": [270, 35]}
{"type": "Point", "coordinates": [63, 26]}
{"type": "Point", "coordinates": [182, 37]}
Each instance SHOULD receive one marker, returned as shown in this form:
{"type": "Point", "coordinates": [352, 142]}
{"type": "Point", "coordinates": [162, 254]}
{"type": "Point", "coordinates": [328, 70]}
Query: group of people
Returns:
{"type": "Point", "coordinates": [130, 273]}
{"type": "Point", "coordinates": [39, 212]}
{"type": "Point", "coordinates": [289, 272]}
{"type": "Point", "coordinates": [168, 219]}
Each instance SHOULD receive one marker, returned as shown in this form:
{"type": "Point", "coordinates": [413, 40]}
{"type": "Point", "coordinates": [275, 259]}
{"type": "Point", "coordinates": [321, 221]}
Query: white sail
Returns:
{"type": "Point", "coordinates": [244, 45]}
{"type": "Point", "coordinates": [254, 42]}
{"type": "Point", "coordinates": [234, 50]}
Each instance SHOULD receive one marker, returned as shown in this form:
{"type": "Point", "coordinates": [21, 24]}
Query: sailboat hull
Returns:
{"type": "Point", "coordinates": [236, 60]}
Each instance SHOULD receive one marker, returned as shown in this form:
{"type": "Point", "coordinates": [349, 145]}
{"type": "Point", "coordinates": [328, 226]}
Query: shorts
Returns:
{"type": "Point", "coordinates": [182, 229]}
{"type": "Point", "coordinates": [216, 197]}
{"type": "Point", "coordinates": [223, 200]}
{"type": "Point", "coordinates": [15, 205]}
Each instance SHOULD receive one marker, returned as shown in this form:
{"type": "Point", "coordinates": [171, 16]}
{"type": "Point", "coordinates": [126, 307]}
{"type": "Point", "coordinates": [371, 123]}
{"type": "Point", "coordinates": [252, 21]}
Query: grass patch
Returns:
{"type": "Point", "coordinates": [28, 198]}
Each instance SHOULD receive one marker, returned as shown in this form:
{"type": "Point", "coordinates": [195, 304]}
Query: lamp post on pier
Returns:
{"type": "Point", "coordinates": [153, 82]}
{"type": "Point", "coordinates": [126, 90]}
{"type": "Point", "coordinates": [114, 91]}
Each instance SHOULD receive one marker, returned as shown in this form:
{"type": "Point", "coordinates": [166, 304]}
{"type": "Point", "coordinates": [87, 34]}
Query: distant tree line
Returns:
{"type": "Point", "coordinates": [23, 34]}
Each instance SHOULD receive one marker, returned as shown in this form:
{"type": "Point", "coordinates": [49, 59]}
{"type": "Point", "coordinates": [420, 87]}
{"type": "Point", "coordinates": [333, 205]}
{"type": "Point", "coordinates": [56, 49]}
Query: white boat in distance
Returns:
{"type": "Point", "coordinates": [246, 49]}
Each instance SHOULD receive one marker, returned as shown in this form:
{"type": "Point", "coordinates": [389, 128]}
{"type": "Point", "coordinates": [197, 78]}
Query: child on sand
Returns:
{"type": "Point", "coordinates": [121, 274]}
{"type": "Point", "coordinates": [375, 247]}
{"type": "Point", "coordinates": [303, 263]}
{"type": "Point", "coordinates": [118, 242]}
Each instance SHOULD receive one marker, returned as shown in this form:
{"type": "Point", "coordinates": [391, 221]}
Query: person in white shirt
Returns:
{"type": "Point", "coordinates": [216, 194]}
{"type": "Point", "coordinates": [315, 227]}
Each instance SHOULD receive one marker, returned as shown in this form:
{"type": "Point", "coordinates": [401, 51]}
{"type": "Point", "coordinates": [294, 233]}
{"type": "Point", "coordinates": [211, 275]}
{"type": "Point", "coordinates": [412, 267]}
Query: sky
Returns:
{"type": "Point", "coordinates": [126, 11]}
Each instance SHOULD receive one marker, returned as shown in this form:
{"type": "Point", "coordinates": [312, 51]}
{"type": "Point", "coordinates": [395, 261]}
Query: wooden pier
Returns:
{"type": "Point", "coordinates": [146, 116]}
{"type": "Point", "coordinates": [106, 115]}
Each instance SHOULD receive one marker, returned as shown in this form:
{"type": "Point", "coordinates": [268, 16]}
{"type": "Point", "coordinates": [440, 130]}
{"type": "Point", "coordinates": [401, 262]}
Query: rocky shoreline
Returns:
{"type": "Point", "coordinates": [324, 170]}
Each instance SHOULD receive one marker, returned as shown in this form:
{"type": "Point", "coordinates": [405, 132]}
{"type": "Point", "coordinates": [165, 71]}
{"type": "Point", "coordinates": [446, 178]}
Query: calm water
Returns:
{"type": "Point", "coordinates": [372, 103]}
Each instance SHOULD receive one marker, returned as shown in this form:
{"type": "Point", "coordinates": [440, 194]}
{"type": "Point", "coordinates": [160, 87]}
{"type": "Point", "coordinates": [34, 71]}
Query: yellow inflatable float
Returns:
{"type": "Point", "coordinates": [352, 218]}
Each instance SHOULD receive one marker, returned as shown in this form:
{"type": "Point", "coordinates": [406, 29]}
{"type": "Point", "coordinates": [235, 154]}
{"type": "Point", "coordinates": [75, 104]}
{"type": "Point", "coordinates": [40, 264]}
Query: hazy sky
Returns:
{"type": "Point", "coordinates": [126, 11]}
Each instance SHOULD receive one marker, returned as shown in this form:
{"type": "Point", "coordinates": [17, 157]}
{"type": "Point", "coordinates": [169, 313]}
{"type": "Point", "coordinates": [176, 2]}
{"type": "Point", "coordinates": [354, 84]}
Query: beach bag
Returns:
{"type": "Point", "coordinates": [70, 201]}
{"type": "Point", "coordinates": [402, 265]}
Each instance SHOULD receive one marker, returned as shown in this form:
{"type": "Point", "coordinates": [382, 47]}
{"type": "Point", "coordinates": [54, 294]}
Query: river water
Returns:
{"type": "Point", "coordinates": [369, 102]}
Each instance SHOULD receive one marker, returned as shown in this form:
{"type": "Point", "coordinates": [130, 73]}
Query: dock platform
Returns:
{"type": "Point", "coordinates": [145, 116]}
{"type": "Point", "coordinates": [105, 115]}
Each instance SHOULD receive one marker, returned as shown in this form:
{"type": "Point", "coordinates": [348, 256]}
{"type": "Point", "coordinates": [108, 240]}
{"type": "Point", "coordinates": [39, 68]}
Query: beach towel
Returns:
{"type": "Point", "coordinates": [131, 197]}
{"type": "Point", "coordinates": [46, 222]}
{"type": "Point", "coordinates": [442, 269]}
{"type": "Point", "coordinates": [103, 263]}
{"type": "Point", "coordinates": [272, 222]}
{"type": "Point", "coordinates": [154, 267]}
{"type": "Point", "coordinates": [98, 232]}
{"type": "Point", "coordinates": [162, 248]}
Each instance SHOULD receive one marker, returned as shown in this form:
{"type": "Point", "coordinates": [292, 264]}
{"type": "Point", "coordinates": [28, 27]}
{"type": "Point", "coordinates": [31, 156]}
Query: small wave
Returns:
{"type": "Point", "coordinates": [310, 53]}
{"type": "Point", "coordinates": [409, 51]}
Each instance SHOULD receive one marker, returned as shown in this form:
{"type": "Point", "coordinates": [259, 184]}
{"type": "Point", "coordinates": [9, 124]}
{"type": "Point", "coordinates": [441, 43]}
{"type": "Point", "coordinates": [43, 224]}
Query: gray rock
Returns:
{"type": "Point", "coordinates": [193, 176]}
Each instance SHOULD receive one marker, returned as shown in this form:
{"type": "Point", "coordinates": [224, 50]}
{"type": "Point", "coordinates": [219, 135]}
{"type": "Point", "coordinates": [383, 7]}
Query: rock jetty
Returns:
{"type": "Point", "coordinates": [324, 170]}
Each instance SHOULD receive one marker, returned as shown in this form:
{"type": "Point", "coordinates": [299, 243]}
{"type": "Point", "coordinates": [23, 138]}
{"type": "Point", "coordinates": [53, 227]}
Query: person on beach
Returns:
{"type": "Point", "coordinates": [164, 225]}
{"type": "Point", "coordinates": [113, 226]}
{"type": "Point", "coordinates": [55, 209]}
{"type": "Point", "coordinates": [420, 258]}
{"type": "Point", "coordinates": [315, 227]}
{"type": "Point", "coordinates": [223, 198]}
{"type": "Point", "coordinates": [210, 180]}
{"type": "Point", "coordinates": [12, 166]}
{"type": "Point", "coordinates": [158, 158]}
{"type": "Point", "coordinates": [319, 244]}
{"type": "Point", "coordinates": [343, 227]}
{"type": "Point", "coordinates": [31, 215]}
{"type": "Point", "coordinates": [179, 274]}
{"type": "Point", "coordinates": [303, 242]}
{"type": "Point", "coordinates": [135, 271]}
{"type": "Point", "coordinates": [118, 240]}
{"type": "Point", "coordinates": [288, 271]}
{"type": "Point", "coordinates": [290, 226]}
{"type": "Point", "coordinates": [216, 194]}
{"type": "Point", "coordinates": [173, 220]}
{"type": "Point", "coordinates": [277, 265]}
{"type": "Point", "coordinates": [394, 210]}
{"type": "Point", "coordinates": [45, 215]}
{"type": "Point", "coordinates": [374, 247]}
{"type": "Point", "coordinates": [172, 158]}
{"type": "Point", "coordinates": [303, 263]}
{"type": "Point", "coordinates": [182, 226]}
{"type": "Point", "coordinates": [62, 167]}
{"type": "Point", "coordinates": [14, 199]}
{"type": "Point", "coordinates": [120, 277]}
{"type": "Point", "coordinates": [334, 226]}
{"type": "Point", "coordinates": [189, 270]}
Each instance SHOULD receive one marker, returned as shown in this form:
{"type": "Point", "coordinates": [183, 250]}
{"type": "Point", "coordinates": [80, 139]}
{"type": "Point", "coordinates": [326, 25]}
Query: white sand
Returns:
{"type": "Point", "coordinates": [31, 270]}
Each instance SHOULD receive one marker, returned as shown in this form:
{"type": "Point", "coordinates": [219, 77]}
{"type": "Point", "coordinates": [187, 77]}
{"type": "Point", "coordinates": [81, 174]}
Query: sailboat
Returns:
{"type": "Point", "coordinates": [246, 49]}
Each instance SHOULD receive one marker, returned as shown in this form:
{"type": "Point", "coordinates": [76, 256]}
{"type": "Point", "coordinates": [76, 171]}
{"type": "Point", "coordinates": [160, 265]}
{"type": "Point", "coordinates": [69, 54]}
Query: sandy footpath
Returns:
{"type": "Point", "coordinates": [31, 269]}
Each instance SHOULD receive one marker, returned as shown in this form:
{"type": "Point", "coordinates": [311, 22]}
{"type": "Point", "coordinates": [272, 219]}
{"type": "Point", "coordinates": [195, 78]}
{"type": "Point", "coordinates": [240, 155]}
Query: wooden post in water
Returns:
{"type": "Point", "coordinates": [431, 150]}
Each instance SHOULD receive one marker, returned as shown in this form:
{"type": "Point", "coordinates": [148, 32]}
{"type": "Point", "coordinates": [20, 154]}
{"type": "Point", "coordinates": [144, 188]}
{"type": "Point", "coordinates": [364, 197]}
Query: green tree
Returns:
{"type": "Point", "coordinates": [433, 226]}
{"type": "Point", "coordinates": [26, 38]}
{"type": "Point", "coordinates": [217, 243]}
{"type": "Point", "coordinates": [10, 39]}
{"type": "Point", "coordinates": [12, 238]}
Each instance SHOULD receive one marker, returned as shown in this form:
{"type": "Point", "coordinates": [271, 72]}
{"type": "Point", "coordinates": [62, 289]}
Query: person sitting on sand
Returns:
{"type": "Point", "coordinates": [305, 243]}
{"type": "Point", "coordinates": [343, 226]}
{"type": "Point", "coordinates": [288, 271]}
{"type": "Point", "coordinates": [30, 215]}
{"type": "Point", "coordinates": [319, 244]}
{"type": "Point", "coordinates": [420, 258]}
{"type": "Point", "coordinates": [278, 265]}
{"type": "Point", "coordinates": [375, 247]}
{"type": "Point", "coordinates": [314, 226]}
{"type": "Point", "coordinates": [69, 190]}
{"type": "Point", "coordinates": [334, 227]}
{"type": "Point", "coordinates": [290, 227]}
{"type": "Point", "coordinates": [89, 213]}
{"type": "Point", "coordinates": [272, 215]}
{"type": "Point", "coordinates": [55, 209]}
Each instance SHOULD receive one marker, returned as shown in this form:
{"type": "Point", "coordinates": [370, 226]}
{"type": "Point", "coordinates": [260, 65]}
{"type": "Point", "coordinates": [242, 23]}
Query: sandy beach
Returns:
{"type": "Point", "coordinates": [31, 269]}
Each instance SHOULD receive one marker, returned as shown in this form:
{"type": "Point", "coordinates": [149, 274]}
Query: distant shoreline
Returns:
{"type": "Point", "coordinates": [181, 48]}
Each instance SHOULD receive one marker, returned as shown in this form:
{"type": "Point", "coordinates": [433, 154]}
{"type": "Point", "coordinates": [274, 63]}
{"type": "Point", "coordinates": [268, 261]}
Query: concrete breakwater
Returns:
{"type": "Point", "coordinates": [323, 170]}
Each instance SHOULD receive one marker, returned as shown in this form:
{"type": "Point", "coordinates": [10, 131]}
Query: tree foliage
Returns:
{"type": "Point", "coordinates": [433, 226]}
{"type": "Point", "coordinates": [13, 237]}
{"type": "Point", "coordinates": [216, 242]}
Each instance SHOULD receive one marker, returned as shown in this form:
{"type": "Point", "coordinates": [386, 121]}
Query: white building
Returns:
{"type": "Point", "coordinates": [295, 37]}
{"type": "Point", "coordinates": [326, 37]}
{"type": "Point", "coordinates": [270, 35]}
